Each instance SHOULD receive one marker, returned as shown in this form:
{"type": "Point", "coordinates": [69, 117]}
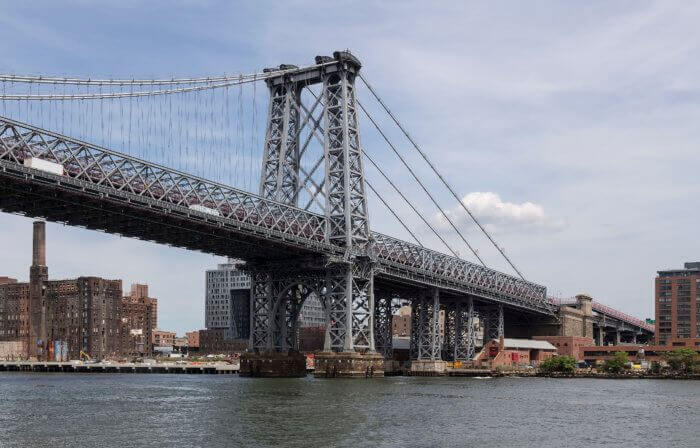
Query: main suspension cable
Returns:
{"type": "Point", "coordinates": [432, 198]}
{"type": "Point", "coordinates": [410, 204]}
{"type": "Point", "coordinates": [369, 184]}
{"type": "Point", "coordinates": [104, 96]}
{"type": "Point", "coordinates": [445, 183]}
{"type": "Point", "coordinates": [268, 73]}
{"type": "Point", "coordinates": [420, 215]}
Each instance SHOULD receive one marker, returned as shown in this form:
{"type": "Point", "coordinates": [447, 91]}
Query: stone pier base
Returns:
{"type": "Point", "coordinates": [349, 365]}
{"type": "Point", "coordinates": [428, 368]}
{"type": "Point", "coordinates": [273, 365]}
{"type": "Point", "coordinates": [392, 367]}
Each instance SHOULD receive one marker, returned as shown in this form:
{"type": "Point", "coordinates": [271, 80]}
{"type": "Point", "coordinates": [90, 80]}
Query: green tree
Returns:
{"type": "Point", "coordinates": [617, 364]}
{"type": "Point", "coordinates": [682, 360]}
{"type": "Point", "coordinates": [565, 364]}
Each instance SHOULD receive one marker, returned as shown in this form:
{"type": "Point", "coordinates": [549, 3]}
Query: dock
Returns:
{"type": "Point", "coordinates": [76, 367]}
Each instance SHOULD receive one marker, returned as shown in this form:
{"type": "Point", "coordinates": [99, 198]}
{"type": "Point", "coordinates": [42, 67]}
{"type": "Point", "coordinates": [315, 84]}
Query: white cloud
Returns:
{"type": "Point", "coordinates": [500, 216]}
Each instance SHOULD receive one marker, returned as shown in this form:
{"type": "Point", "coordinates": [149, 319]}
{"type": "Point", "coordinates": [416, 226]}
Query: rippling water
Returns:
{"type": "Point", "coordinates": [83, 410]}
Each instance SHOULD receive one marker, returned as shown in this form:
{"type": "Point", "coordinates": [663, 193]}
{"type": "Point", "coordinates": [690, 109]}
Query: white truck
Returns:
{"type": "Point", "coordinates": [44, 165]}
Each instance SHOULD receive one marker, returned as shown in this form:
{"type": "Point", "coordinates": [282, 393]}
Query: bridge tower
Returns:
{"type": "Point", "coordinates": [344, 284]}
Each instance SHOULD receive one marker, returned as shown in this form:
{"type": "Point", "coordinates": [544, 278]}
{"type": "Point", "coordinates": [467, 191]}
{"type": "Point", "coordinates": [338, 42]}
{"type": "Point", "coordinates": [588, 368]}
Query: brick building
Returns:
{"type": "Point", "coordinates": [401, 322]}
{"type": "Point", "coordinates": [82, 314]}
{"type": "Point", "coordinates": [59, 319]}
{"type": "Point", "coordinates": [163, 338]}
{"type": "Point", "coordinates": [139, 319]}
{"type": "Point", "coordinates": [676, 301]}
{"type": "Point", "coordinates": [192, 340]}
{"type": "Point", "coordinates": [215, 341]}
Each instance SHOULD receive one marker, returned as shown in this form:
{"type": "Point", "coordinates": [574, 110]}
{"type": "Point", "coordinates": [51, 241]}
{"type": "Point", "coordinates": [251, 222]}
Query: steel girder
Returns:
{"type": "Point", "coordinates": [425, 326]}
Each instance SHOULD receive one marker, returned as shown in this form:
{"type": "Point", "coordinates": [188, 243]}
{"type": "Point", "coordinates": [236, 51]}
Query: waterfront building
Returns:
{"type": "Point", "coordinates": [215, 342]}
{"type": "Point", "coordinates": [192, 340]}
{"type": "Point", "coordinates": [677, 317]}
{"type": "Point", "coordinates": [50, 319]}
{"type": "Point", "coordinates": [163, 338]}
{"type": "Point", "coordinates": [401, 322]}
{"type": "Point", "coordinates": [139, 319]}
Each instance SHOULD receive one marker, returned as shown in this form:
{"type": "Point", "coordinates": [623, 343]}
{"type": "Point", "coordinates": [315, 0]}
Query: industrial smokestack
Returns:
{"type": "Point", "coordinates": [39, 244]}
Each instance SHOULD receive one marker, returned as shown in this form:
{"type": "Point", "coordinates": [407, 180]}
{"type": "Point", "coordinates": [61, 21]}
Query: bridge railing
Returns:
{"type": "Point", "coordinates": [107, 168]}
{"type": "Point", "coordinates": [453, 268]}
{"type": "Point", "coordinates": [599, 307]}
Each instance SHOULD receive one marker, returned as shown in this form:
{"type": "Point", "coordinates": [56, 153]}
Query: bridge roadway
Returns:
{"type": "Point", "coordinates": [607, 319]}
{"type": "Point", "coordinates": [108, 191]}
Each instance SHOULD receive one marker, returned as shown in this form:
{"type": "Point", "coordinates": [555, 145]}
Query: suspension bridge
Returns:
{"type": "Point", "coordinates": [185, 174]}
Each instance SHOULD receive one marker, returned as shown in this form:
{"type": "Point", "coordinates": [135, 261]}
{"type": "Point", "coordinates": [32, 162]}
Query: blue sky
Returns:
{"type": "Point", "coordinates": [569, 128]}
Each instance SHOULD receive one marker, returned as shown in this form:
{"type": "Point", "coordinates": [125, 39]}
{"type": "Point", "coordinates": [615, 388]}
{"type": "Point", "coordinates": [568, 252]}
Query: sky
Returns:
{"type": "Point", "coordinates": [568, 128]}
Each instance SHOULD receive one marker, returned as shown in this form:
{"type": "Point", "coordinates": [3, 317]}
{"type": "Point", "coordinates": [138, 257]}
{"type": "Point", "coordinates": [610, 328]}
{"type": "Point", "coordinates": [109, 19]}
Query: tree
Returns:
{"type": "Point", "coordinates": [617, 364]}
{"type": "Point", "coordinates": [565, 364]}
{"type": "Point", "coordinates": [681, 360]}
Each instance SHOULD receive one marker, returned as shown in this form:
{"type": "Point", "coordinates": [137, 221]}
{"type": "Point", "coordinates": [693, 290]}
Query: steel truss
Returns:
{"type": "Point", "coordinates": [96, 167]}
{"type": "Point", "coordinates": [279, 291]}
{"type": "Point", "coordinates": [460, 338]}
{"type": "Point", "coordinates": [383, 314]}
{"type": "Point", "coordinates": [111, 174]}
{"type": "Point", "coordinates": [280, 169]}
{"type": "Point", "coordinates": [491, 318]}
{"type": "Point", "coordinates": [425, 326]}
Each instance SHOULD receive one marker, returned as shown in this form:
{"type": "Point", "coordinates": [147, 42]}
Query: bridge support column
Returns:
{"type": "Point", "coordinates": [492, 322]}
{"type": "Point", "coordinates": [382, 326]}
{"type": "Point", "coordinates": [465, 338]}
{"type": "Point", "coordinates": [426, 335]}
{"type": "Point", "coordinates": [278, 292]}
{"type": "Point", "coordinates": [618, 336]}
{"type": "Point", "coordinates": [601, 336]}
{"type": "Point", "coordinates": [350, 298]}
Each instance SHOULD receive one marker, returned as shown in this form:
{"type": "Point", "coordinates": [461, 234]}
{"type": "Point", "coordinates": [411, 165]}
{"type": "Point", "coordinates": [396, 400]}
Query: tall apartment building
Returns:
{"type": "Point", "coordinates": [227, 303]}
{"type": "Point", "coordinates": [139, 319]}
{"type": "Point", "coordinates": [42, 316]}
{"type": "Point", "coordinates": [677, 292]}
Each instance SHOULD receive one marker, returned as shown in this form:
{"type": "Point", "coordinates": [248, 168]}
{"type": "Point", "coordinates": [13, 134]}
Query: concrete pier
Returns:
{"type": "Point", "coordinates": [349, 365]}
{"type": "Point", "coordinates": [428, 367]}
{"type": "Point", "coordinates": [273, 365]}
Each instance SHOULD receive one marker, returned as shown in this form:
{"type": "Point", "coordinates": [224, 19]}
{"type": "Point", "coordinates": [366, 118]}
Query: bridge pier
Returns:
{"type": "Point", "coordinates": [425, 335]}
{"type": "Point", "coordinates": [383, 339]}
{"type": "Point", "coordinates": [460, 338]}
{"type": "Point", "coordinates": [492, 322]}
{"type": "Point", "coordinates": [273, 364]}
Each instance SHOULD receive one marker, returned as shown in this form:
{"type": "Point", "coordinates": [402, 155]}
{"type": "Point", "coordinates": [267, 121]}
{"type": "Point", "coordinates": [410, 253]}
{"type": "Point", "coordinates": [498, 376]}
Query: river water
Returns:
{"type": "Point", "coordinates": [96, 410]}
